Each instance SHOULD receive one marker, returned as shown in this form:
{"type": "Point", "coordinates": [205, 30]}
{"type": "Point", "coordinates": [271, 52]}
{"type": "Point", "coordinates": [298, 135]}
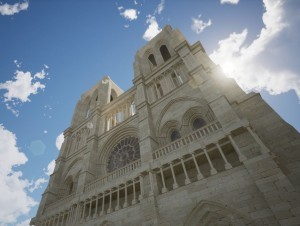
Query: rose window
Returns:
{"type": "Point", "coordinates": [126, 151]}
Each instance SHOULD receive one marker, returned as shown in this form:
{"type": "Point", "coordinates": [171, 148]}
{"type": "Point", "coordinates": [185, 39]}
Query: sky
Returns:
{"type": "Point", "coordinates": [51, 52]}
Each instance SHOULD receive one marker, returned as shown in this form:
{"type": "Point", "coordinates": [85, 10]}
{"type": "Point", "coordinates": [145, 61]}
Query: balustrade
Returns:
{"type": "Point", "coordinates": [115, 174]}
{"type": "Point", "coordinates": [195, 135]}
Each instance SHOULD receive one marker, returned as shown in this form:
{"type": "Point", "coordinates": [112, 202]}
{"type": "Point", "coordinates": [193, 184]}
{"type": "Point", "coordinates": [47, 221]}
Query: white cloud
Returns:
{"type": "Point", "coordinates": [160, 7]}
{"type": "Point", "coordinates": [129, 14]}
{"type": "Point", "coordinates": [230, 1]}
{"type": "Point", "coordinates": [245, 63]}
{"type": "Point", "coordinates": [45, 131]}
{"type": "Point", "coordinates": [24, 223]}
{"type": "Point", "coordinates": [59, 140]}
{"type": "Point", "coordinates": [16, 201]}
{"type": "Point", "coordinates": [34, 185]}
{"type": "Point", "coordinates": [50, 168]}
{"type": "Point", "coordinates": [153, 28]}
{"type": "Point", "coordinates": [126, 25]}
{"type": "Point", "coordinates": [135, 2]}
{"type": "Point", "coordinates": [8, 10]}
{"type": "Point", "coordinates": [199, 25]}
{"type": "Point", "coordinates": [21, 87]}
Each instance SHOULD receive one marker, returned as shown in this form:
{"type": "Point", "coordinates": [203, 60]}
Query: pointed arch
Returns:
{"type": "Point", "coordinates": [212, 213]}
{"type": "Point", "coordinates": [199, 102]}
{"type": "Point", "coordinates": [164, 52]}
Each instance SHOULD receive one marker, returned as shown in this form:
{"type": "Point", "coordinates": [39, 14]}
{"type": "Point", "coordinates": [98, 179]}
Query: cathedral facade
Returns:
{"type": "Point", "coordinates": [183, 146]}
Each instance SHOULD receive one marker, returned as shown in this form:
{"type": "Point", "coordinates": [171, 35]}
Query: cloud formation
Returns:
{"type": "Point", "coordinates": [160, 7]}
{"type": "Point", "coordinates": [245, 63]}
{"type": "Point", "coordinates": [199, 25]}
{"type": "Point", "coordinates": [16, 200]}
{"type": "Point", "coordinates": [230, 1]}
{"type": "Point", "coordinates": [59, 141]}
{"type": "Point", "coordinates": [128, 14]}
{"type": "Point", "coordinates": [50, 168]}
{"type": "Point", "coordinates": [21, 87]}
{"type": "Point", "coordinates": [8, 10]}
{"type": "Point", "coordinates": [34, 185]}
{"type": "Point", "coordinates": [153, 28]}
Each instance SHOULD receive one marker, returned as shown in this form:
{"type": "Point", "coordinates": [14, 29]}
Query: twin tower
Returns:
{"type": "Point", "coordinates": [183, 146]}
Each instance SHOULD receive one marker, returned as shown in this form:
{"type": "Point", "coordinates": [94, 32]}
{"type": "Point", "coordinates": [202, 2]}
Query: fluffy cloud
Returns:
{"type": "Point", "coordinates": [16, 200]}
{"type": "Point", "coordinates": [128, 14]}
{"type": "Point", "coordinates": [23, 85]}
{"type": "Point", "coordinates": [246, 63]}
{"type": "Point", "coordinates": [59, 140]}
{"type": "Point", "coordinates": [34, 185]}
{"type": "Point", "coordinates": [160, 7]}
{"type": "Point", "coordinates": [199, 25]}
{"type": "Point", "coordinates": [50, 168]}
{"type": "Point", "coordinates": [230, 1]}
{"type": "Point", "coordinates": [8, 10]}
{"type": "Point", "coordinates": [153, 28]}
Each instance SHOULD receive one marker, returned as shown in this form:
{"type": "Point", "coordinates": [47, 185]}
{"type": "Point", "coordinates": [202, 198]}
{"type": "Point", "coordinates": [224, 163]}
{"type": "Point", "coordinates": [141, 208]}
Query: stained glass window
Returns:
{"type": "Point", "coordinates": [126, 151]}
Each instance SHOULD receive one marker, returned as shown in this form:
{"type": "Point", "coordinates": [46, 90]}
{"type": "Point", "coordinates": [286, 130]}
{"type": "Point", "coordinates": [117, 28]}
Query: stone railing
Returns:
{"type": "Point", "coordinates": [195, 135]}
{"type": "Point", "coordinates": [115, 174]}
{"type": "Point", "coordinates": [53, 206]}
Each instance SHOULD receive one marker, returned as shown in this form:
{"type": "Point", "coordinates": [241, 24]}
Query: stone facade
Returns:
{"type": "Point", "coordinates": [184, 146]}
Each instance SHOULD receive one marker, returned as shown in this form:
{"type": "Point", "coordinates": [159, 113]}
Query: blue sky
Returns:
{"type": "Point", "coordinates": [53, 51]}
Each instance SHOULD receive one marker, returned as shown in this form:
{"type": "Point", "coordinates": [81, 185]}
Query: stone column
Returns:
{"type": "Point", "coordinates": [187, 179]}
{"type": "Point", "coordinates": [164, 188]}
{"type": "Point", "coordinates": [151, 193]}
{"type": "Point", "coordinates": [199, 175]}
{"type": "Point", "coordinates": [227, 164]}
{"type": "Point", "coordinates": [83, 211]}
{"type": "Point", "coordinates": [141, 187]}
{"type": "Point", "coordinates": [134, 195]}
{"type": "Point", "coordinates": [242, 158]}
{"type": "Point", "coordinates": [264, 149]}
{"type": "Point", "coordinates": [96, 207]}
{"type": "Point", "coordinates": [175, 184]}
{"type": "Point", "coordinates": [109, 207]}
{"type": "Point", "coordinates": [212, 168]}
{"type": "Point", "coordinates": [103, 202]}
{"type": "Point", "coordinates": [118, 199]}
{"type": "Point", "coordinates": [125, 202]}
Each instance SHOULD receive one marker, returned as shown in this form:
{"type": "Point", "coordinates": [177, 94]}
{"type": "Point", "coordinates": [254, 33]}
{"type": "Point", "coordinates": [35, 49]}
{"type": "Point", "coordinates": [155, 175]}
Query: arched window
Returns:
{"type": "Point", "coordinates": [175, 135]}
{"type": "Point", "coordinates": [152, 60]}
{"type": "Point", "coordinates": [88, 112]}
{"type": "Point", "coordinates": [71, 185]}
{"type": "Point", "coordinates": [113, 95]}
{"type": "Point", "coordinates": [165, 52]}
{"type": "Point", "coordinates": [126, 151]}
{"type": "Point", "coordinates": [198, 123]}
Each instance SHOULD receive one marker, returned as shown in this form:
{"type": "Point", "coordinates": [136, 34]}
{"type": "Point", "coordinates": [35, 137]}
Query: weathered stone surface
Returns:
{"type": "Point", "coordinates": [209, 153]}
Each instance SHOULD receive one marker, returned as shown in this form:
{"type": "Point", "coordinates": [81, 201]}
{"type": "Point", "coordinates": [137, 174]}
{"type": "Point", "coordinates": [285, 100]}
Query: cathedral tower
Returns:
{"type": "Point", "coordinates": [183, 146]}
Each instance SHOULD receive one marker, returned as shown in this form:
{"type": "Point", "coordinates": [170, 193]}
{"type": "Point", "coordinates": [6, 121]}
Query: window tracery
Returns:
{"type": "Point", "coordinates": [126, 151]}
